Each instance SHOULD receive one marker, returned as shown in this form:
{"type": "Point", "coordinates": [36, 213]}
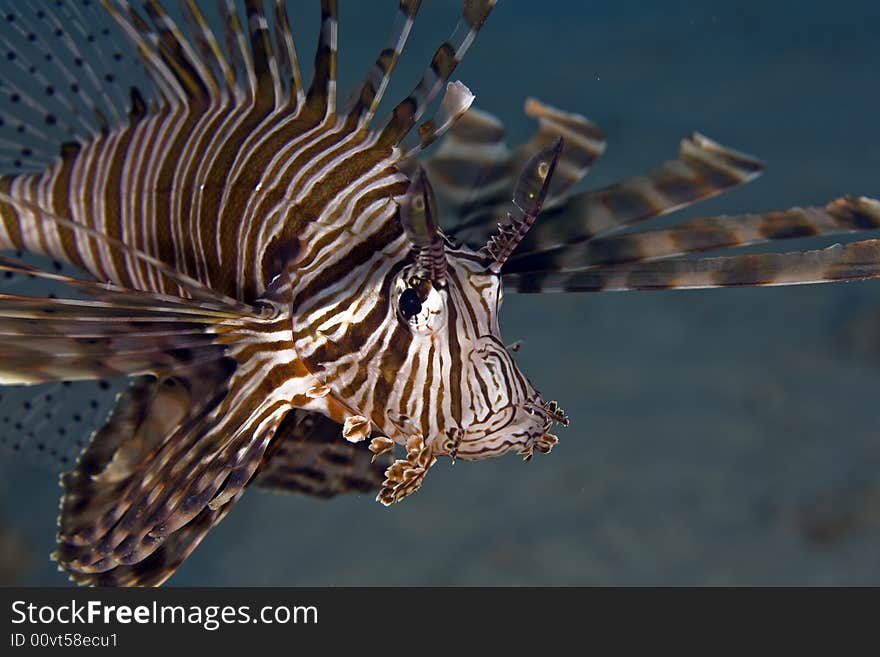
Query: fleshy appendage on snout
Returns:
{"type": "Point", "coordinates": [522, 429]}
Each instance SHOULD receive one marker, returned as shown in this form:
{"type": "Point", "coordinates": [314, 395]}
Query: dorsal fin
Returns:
{"type": "Point", "coordinates": [288, 62]}
{"type": "Point", "coordinates": [473, 169]}
{"type": "Point", "coordinates": [703, 169]}
{"type": "Point", "coordinates": [321, 99]}
{"type": "Point", "coordinates": [268, 90]}
{"type": "Point", "coordinates": [206, 43]}
{"type": "Point", "coordinates": [844, 215]}
{"type": "Point", "coordinates": [237, 46]}
{"type": "Point", "coordinates": [584, 144]}
{"type": "Point", "coordinates": [444, 62]}
{"type": "Point", "coordinates": [365, 101]}
{"type": "Point", "coordinates": [456, 101]}
{"type": "Point", "coordinates": [196, 79]}
{"type": "Point", "coordinates": [139, 32]}
{"type": "Point", "coordinates": [839, 262]}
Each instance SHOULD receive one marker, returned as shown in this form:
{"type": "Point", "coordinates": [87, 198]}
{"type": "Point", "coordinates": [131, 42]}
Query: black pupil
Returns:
{"type": "Point", "coordinates": [409, 304]}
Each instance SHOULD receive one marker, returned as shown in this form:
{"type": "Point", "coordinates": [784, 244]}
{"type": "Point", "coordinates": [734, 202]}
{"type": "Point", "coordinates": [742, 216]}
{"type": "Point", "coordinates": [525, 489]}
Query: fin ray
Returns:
{"type": "Point", "coordinates": [289, 62]}
{"type": "Point", "coordinates": [321, 97]}
{"type": "Point", "coordinates": [167, 466]}
{"type": "Point", "coordinates": [703, 169]}
{"type": "Point", "coordinates": [844, 215]}
{"type": "Point", "coordinates": [474, 170]}
{"type": "Point", "coordinates": [367, 98]}
{"type": "Point", "coordinates": [853, 261]}
{"type": "Point", "coordinates": [309, 456]}
{"type": "Point", "coordinates": [445, 60]}
{"type": "Point", "coordinates": [187, 284]}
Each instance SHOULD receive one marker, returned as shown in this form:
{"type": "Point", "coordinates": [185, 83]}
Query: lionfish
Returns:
{"type": "Point", "coordinates": [295, 290]}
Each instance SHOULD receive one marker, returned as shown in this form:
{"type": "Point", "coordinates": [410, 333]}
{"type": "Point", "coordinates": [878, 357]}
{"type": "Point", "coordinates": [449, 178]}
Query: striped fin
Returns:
{"type": "Point", "coordinates": [473, 170]}
{"type": "Point", "coordinates": [268, 90]}
{"type": "Point", "coordinates": [703, 169]}
{"type": "Point", "coordinates": [307, 456]}
{"type": "Point", "coordinates": [188, 286]}
{"type": "Point", "coordinates": [447, 57]}
{"type": "Point", "coordinates": [321, 98]}
{"type": "Point", "coordinates": [166, 78]}
{"type": "Point", "coordinates": [64, 339]}
{"type": "Point", "coordinates": [288, 62]}
{"type": "Point", "coordinates": [471, 166]}
{"type": "Point", "coordinates": [194, 69]}
{"type": "Point", "coordinates": [456, 101]}
{"type": "Point", "coordinates": [157, 477]}
{"type": "Point", "coordinates": [175, 50]}
{"type": "Point", "coordinates": [110, 293]}
{"type": "Point", "coordinates": [584, 144]}
{"type": "Point", "coordinates": [367, 99]}
{"type": "Point", "coordinates": [178, 451]}
{"type": "Point", "coordinates": [236, 44]}
{"type": "Point", "coordinates": [849, 262]}
{"type": "Point", "coordinates": [205, 41]}
{"type": "Point", "coordinates": [844, 215]}
{"type": "Point", "coordinates": [111, 332]}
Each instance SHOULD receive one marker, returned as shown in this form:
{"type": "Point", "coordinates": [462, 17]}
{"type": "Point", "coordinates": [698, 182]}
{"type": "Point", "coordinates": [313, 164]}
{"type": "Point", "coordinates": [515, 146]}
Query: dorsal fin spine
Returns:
{"type": "Point", "coordinates": [321, 98]}
{"type": "Point", "coordinates": [443, 63]}
{"type": "Point", "coordinates": [284, 38]}
{"type": "Point", "coordinates": [369, 95]}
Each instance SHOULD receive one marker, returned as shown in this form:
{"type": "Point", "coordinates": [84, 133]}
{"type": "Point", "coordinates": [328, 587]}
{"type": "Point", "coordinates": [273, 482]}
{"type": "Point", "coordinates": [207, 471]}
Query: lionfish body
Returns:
{"type": "Point", "coordinates": [274, 274]}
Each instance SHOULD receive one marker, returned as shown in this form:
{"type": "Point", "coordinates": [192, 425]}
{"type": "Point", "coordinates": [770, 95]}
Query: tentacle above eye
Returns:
{"type": "Point", "coordinates": [528, 196]}
{"type": "Point", "coordinates": [418, 216]}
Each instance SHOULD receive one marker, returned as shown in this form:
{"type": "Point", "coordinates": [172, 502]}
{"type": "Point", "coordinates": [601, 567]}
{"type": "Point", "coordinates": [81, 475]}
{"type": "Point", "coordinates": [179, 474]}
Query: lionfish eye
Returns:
{"type": "Point", "coordinates": [409, 303]}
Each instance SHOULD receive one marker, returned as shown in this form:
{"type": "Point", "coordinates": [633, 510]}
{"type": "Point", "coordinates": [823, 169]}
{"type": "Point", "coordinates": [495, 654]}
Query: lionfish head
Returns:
{"type": "Point", "coordinates": [449, 297]}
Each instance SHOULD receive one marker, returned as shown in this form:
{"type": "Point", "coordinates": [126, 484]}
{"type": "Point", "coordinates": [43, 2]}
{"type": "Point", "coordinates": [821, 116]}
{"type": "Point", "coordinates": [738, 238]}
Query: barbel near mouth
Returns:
{"type": "Point", "coordinates": [551, 411]}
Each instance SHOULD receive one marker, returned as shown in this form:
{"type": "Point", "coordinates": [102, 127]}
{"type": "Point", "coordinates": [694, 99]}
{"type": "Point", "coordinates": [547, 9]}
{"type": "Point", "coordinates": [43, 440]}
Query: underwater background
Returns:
{"type": "Point", "coordinates": [717, 437]}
